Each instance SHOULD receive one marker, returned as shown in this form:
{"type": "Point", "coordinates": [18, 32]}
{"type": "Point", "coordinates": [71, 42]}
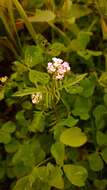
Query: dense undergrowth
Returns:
{"type": "Point", "coordinates": [53, 95]}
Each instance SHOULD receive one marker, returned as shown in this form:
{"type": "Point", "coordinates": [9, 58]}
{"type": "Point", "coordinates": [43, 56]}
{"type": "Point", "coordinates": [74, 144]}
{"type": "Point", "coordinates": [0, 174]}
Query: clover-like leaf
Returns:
{"type": "Point", "coordinates": [21, 184]}
{"type": "Point", "coordinates": [58, 152]}
{"type": "Point", "coordinates": [82, 107]}
{"type": "Point", "coordinates": [55, 178]}
{"type": "Point", "coordinates": [76, 174]}
{"type": "Point", "coordinates": [73, 137]}
{"type": "Point", "coordinates": [104, 154]}
{"type": "Point", "coordinates": [33, 56]}
{"type": "Point", "coordinates": [37, 76]}
{"type": "Point", "coordinates": [95, 162]}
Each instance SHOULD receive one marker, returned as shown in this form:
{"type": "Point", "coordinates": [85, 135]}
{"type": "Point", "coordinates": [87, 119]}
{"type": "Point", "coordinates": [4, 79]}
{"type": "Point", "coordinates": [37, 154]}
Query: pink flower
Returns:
{"type": "Point", "coordinates": [66, 66]}
{"type": "Point", "coordinates": [61, 69]}
{"type": "Point", "coordinates": [58, 68]}
{"type": "Point", "coordinates": [57, 60]}
{"type": "Point", "coordinates": [51, 68]}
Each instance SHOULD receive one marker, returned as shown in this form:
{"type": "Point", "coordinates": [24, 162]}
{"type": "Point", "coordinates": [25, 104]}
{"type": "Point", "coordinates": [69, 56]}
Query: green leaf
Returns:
{"type": "Point", "coordinates": [57, 131]}
{"type": "Point", "coordinates": [22, 184]}
{"type": "Point", "coordinates": [43, 173]}
{"type": "Point", "coordinates": [100, 184]}
{"type": "Point", "coordinates": [76, 174]}
{"type": "Point", "coordinates": [27, 105]}
{"type": "Point", "coordinates": [69, 122]}
{"type": "Point", "coordinates": [101, 138]}
{"type": "Point", "coordinates": [104, 154]}
{"type": "Point", "coordinates": [20, 118]}
{"type": "Point", "coordinates": [73, 137]}
{"type": "Point", "coordinates": [73, 80]}
{"type": "Point", "coordinates": [88, 85]}
{"type": "Point", "coordinates": [12, 146]}
{"type": "Point", "coordinates": [40, 185]}
{"type": "Point", "coordinates": [37, 76]}
{"type": "Point", "coordinates": [74, 89]}
{"type": "Point", "coordinates": [99, 113]}
{"type": "Point", "coordinates": [81, 42]}
{"type": "Point", "coordinates": [4, 137]}
{"type": "Point", "coordinates": [19, 170]}
{"type": "Point", "coordinates": [39, 172]}
{"type": "Point", "coordinates": [8, 127]}
{"type": "Point", "coordinates": [38, 122]}
{"type": "Point", "coordinates": [95, 162]}
{"type": "Point", "coordinates": [46, 141]}
{"type": "Point", "coordinates": [30, 154]}
{"type": "Point", "coordinates": [103, 79]}
{"type": "Point", "coordinates": [50, 174]}
{"type": "Point", "coordinates": [87, 54]}
{"type": "Point", "coordinates": [56, 48]}
{"type": "Point", "coordinates": [34, 3]}
{"type": "Point", "coordinates": [71, 10]}
{"type": "Point", "coordinates": [58, 152]}
{"type": "Point", "coordinates": [33, 56]}
{"type": "Point", "coordinates": [55, 176]}
{"type": "Point", "coordinates": [27, 91]}
{"type": "Point", "coordinates": [42, 16]}
{"type": "Point", "coordinates": [82, 107]}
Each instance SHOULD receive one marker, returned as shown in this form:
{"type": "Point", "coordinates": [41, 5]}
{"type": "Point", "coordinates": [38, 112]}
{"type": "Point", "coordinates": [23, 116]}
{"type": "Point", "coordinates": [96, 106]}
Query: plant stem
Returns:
{"type": "Point", "coordinates": [26, 20]}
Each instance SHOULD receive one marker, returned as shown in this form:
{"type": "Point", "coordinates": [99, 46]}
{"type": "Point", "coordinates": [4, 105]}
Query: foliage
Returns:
{"type": "Point", "coordinates": [53, 132]}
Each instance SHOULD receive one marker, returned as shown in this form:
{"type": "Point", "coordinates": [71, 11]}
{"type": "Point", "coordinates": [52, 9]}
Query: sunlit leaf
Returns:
{"type": "Point", "coordinates": [76, 174]}
{"type": "Point", "coordinates": [58, 152]}
{"type": "Point", "coordinates": [73, 137]}
{"type": "Point", "coordinates": [37, 76]}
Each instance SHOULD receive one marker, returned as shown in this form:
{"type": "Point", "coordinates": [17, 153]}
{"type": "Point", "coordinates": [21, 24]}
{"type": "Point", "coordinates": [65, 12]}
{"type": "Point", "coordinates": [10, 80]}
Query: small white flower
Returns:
{"type": "Point", "coordinates": [58, 60]}
{"type": "Point", "coordinates": [36, 98]}
{"type": "Point", "coordinates": [51, 68]}
{"type": "Point", "coordinates": [3, 79]}
{"type": "Point", "coordinates": [56, 64]}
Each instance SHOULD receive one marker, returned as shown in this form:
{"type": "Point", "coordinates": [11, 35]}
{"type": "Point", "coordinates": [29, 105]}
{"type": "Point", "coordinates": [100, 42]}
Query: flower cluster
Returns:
{"type": "Point", "coordinates": [58, 68]}
{"type": "Point", "coordinates": [36, 98]}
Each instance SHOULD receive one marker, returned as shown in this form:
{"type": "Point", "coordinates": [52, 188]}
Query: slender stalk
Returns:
{"type": "Point", "coordinates": [12, 19]}
{"type": "Point", "coordinates": [25, 18]}
{"type": "Point", "coordinates": [4, 20]}
{"type": "Point", "coordinates": [44, 161]}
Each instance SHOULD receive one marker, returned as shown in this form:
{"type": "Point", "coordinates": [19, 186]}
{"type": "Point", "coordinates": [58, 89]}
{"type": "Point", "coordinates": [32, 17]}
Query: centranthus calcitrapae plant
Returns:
{"type": "Point", "coordinates": [47, 117]}
{"type": "Point", "coordinates": [53, 97]}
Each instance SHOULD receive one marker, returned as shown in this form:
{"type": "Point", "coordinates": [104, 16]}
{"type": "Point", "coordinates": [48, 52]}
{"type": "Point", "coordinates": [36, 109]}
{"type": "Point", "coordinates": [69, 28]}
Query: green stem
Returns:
{"type": "Point", "coordinates": [44, 162]}
{"type": "Point", "coordinates": [5, 22]}
{"type": "Point", "coordinates": [26, 20]}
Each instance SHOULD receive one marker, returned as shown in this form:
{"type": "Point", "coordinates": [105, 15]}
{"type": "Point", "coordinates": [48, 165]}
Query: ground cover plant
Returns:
{"type": "Point", "coordinates": [53, 95]}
